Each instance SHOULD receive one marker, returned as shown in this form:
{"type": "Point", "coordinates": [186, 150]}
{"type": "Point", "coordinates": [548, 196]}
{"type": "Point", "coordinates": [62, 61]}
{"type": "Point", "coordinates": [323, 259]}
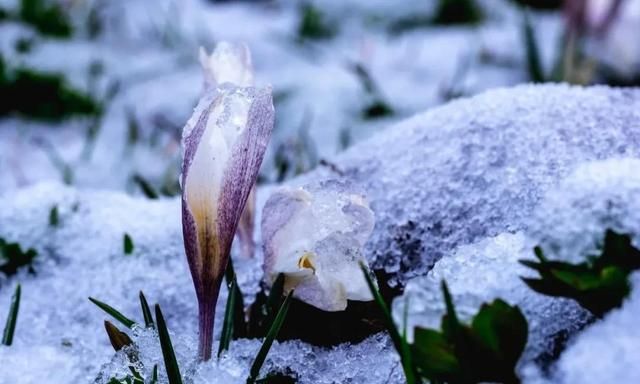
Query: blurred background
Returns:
{"type": "Point", "coordinates": [95, 93]}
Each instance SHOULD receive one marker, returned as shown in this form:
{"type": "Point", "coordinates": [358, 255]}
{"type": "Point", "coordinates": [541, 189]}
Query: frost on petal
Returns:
{"type": "Point", "coordinates": [224, 143]}
{"type": "Point", "coordinates": [228, 63]}
{"type": "Point", "coordinates": [314, 235]}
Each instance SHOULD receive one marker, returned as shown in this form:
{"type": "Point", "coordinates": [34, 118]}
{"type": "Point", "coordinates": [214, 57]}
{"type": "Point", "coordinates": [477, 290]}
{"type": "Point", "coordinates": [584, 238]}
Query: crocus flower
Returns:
{"type": "Point", "coordinates": [314, 236]}
{"type": "Point", "coordinates": [224, 144]}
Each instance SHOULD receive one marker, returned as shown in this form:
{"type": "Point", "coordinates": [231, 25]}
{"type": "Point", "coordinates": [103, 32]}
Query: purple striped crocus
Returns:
{"type": "Point", "coordinates": [224, 143]}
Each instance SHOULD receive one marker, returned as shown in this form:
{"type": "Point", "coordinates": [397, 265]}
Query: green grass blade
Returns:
{"type": "Point", "coordinates": [170, 361]}
{"type": "Point", "coordinates": [146, 312]}
{"type": "Point", "coordinates": [239, 322]}
{"type": "Point", "coordinates": [399, 342]}
{"type": "Point", "coordinates": [227, 326]}
{"type": "Point", "coordinates": [145, 187]}
{"type": "Point", "coordinates": [54, 216]}
{"type": "Point", "coordinates": [127, 244]}
{"type": "Point", "coordinates": [10, 327]}
{"type": "Point", "coordinates": [114, 313]}
{"type": "Point", "coordinates": [275, 295]}
{"type": "Point", "coordinates": [268, 341]}
{"type": "Point", "coordinates": [534, 63]}
{"type": "Point", "coordinates": [154, 375]}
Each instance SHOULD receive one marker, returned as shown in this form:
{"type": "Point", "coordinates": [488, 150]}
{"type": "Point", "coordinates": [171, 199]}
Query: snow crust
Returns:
{"type": "Point", "coordinates": [478, 167]}
{"type": "Point", "coordinates": [480, 273]}
{"type": "Point", "coordinates": [607, 350]}
{"type": "Point", "coordinates": [570, 223]}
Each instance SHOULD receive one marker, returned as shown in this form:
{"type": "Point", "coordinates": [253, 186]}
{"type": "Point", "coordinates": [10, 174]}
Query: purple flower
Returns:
{"type": "Point", "coordinates": [224, 144]}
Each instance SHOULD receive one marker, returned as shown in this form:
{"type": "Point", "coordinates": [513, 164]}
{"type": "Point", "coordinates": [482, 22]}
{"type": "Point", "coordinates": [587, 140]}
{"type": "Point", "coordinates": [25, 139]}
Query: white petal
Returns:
{"type": "Point", "coordinates": [228, 63]}
{"type": "Point", "coordinates": [325, 225]}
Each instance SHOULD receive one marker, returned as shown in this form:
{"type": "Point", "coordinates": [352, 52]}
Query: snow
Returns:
{"type": "Point", "coordinates": [60, 330]}
{"type": "Point", "coordinates": [570, 223]}
{"type": "Point", "coordinates": [152, 53]}
{"type": "Point", "coordinates": [607, 349]}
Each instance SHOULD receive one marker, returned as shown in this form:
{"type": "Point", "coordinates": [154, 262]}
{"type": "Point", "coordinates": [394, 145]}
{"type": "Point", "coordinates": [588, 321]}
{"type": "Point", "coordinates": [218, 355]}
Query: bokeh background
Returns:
{"type": "Point", "coordinates": [95, 92]}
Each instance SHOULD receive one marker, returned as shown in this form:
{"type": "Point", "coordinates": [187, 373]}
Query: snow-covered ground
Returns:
{"type": "Point", "coordinates": [461, 189]}
{"type": "Point", "coordinates": [151, 52]}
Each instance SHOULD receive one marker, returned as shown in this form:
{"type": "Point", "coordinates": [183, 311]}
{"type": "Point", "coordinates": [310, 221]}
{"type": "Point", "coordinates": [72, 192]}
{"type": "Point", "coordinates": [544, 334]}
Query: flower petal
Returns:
{"type": "Point", "coordinates": [314, 236]}
{"type": "Point", "coordinates": [228, 63]}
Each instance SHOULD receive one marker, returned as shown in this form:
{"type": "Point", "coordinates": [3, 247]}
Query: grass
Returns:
{"type": "Point", "coordinates": [12, 317]}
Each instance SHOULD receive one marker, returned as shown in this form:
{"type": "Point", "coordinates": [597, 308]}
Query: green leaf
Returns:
{"type": "Point", "coordinates": [401, 345]}
{"type": "Point", "coordinates": [54, 218]}
{"type": "Point", "coordinates": [170, 361]}
{"type": "Point", "coordinates": [127, 244]}
{"type": "Point", "coordinates": [113, 312]}
{"type": "Point", "coordinates": [154, 375]}
{"type": "Point", "coordinates": [227, 326]}
{"type": "Point", "coordinates": [313, 24]}
{"type": "Point", "coordinates": [433, 355]}
{"type": "Point", "coordinates": [117, 338]}
{"type": "Point", "coordinates": [534, 63]}
{"type": "Point", "coordinates": [457, 12]}
{"type": "Point", "coordinates": [145, 187]}
{"type": "Point", "coordinates": [146, 312]}
{"type": "Point", "coordinates": [599, 284]}
{"type": "Point", "coordinates": [268, 341]}
{"type": "Point", "coordinates": [503, 330]}
{"type": "Point", "coordinates": [12, 258]}
{"type": "Point", "coordinates": [239, 323]}
{"type": "Point", "coordinates": [12, 318]}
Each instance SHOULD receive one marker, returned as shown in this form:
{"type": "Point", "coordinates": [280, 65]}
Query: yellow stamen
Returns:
{"type": "Point", "coordinates": [305, 261]}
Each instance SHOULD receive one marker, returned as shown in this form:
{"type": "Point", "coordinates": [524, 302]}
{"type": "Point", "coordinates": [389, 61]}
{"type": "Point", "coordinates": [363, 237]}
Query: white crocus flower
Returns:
{"type": "Point", "coordinates": [314, 236]}
{"type": "Point", "coordinates": [228, 63]}
{"type": "Point", "coordinates": [224, 143]}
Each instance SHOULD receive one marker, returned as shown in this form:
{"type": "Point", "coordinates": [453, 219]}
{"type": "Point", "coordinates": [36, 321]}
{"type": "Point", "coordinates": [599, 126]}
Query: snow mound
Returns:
{"type": "Point", "coordinates": [480, 273]}
{"type": "Point", "coordinates": [478, 167]}
{"type": "Point", "coordinates": [60, 336]}
{"type": "Point", "coordinates": [606, 350]}
{"type": "Point", "coordinates": [373, 361]}
{"type": "Point", "coordinates": [572, 220]}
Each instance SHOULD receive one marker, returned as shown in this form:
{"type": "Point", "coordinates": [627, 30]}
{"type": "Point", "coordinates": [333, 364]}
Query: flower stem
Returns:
{"type": "Point", "coordinates": [206, 314]}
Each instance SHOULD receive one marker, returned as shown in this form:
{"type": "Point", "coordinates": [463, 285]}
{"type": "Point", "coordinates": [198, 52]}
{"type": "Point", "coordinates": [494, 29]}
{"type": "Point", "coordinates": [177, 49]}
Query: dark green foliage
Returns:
{"type": "Point", "coordinates": [534, 62]}
{"type": "Point", "coordinates": [376, 110]}
{"type": "Point", "coordinates": [227, 326]}
{"type": "Point", "coordinates": [146, 312]}
{"type": "Point", "coordinates": [458, 12]}
{"type": "Point", "coordinates": [239, 323]}
{"type": "Point", "coordinates": [146, 188]}
{"type": "Point", "coordinates": [313, 24]}
{"type": "Point", "coordinates": [54, 217]}
{"type": "Point", "coordinates": [12, 258]}
{"type": "Point", "coordinates": [170, 361]}
{"type": "Point", "coordinates": [114, 313]}
{"type": "Point", "coordinates": [399, 342]}
{"type": "Point", "coordinates": [41, 96]}
{"type": "Point", "coordinates": [287, 377]}
{"type": "Point", "coordinates": [127, 244]}
{"type": "Point", "coordinates": [12, 317]}
{"type": "Point", "coordinates": [264, 309]}
{"type": "Point", "coordinates": [540, 4]}
{"type": "Point", "coordinates": [599, 284]}
{"type": "Point", "coordinates": [268, 341]}
{"type": "Point", "coordinates": [154, 375]}
{"type": "Point", "coordinates": [377, 107]}
{"type": "Point", "coordinates": [24, 45]}
{"type": "Point", "coordinates": [487, 350]}
{"type": "Point", "coordinates": [47, 17]}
